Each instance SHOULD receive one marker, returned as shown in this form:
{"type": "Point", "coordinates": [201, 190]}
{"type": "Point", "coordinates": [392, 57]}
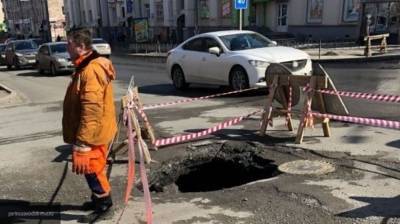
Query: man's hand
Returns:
{"type": "Point", "coordinates": [80, 159]}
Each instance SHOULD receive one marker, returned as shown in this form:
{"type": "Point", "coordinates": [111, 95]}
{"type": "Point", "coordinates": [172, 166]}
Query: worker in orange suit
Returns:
{"type": "Point", "coordinates": [89, 123]}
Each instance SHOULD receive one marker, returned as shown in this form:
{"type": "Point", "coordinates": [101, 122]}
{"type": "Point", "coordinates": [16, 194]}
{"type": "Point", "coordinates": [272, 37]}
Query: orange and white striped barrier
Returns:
{"type": "Point", "coordinates": [188, 137]}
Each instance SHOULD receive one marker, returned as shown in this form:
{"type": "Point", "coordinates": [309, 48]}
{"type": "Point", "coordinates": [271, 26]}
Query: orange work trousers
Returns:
{"type": "Point", "coordinates": [97, 181]}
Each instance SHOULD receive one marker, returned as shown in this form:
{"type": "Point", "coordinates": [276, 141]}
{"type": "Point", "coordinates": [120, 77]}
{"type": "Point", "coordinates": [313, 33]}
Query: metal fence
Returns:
{"type": "Point", "coordinates": [315, 44]}
{"type": "Point", "coordinates": [151, 47]}
{"type": "Point", "coordinates": [165, 47]}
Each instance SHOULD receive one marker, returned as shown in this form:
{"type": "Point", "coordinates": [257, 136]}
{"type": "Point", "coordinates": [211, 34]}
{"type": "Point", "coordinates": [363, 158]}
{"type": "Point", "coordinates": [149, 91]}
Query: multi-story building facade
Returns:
{"type": "Point", "coordinates": [303, 19]}
{"type": "Point", "coordinates": [3, 26]}
{"type": "Point", "coordinates": [34, 18]}
{"type": "Point", "coordinates": [110, 19]}
{"type": "Point", "coordinates": [176, 20]}
{"type": "Point", "coordinates": [26, 18]}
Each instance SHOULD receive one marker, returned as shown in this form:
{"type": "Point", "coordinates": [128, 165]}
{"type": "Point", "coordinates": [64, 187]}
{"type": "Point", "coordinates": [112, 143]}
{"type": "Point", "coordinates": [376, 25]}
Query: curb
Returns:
{"type": "Point", "coordinates": [359, 59]}
{"type": "Point", "coordinates": [162, 59]}
{"type": "Point", "coordinates": [142, 60]}
{"type": "Point", "coordinates": [10, 96]}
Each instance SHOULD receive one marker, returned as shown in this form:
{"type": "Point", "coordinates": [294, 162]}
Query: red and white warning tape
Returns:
{"type": "Point", "coordinates": [361, 120]}
{"type": "Point", "coordinates": [131, 169]}
{"type": "Point", "coordinates": [140, 112]}
{"type": "Point", "coordinates": [367, 96]}
{"type": "Point", "coordinates": [154, 106]}
{"type": "Point", "coordinates": [192, 136]}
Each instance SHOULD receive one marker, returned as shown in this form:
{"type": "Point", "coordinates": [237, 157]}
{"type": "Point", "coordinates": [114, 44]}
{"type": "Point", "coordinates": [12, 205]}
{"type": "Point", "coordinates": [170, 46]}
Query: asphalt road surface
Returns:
{"type": "Point", "coordinates": [34, 162]}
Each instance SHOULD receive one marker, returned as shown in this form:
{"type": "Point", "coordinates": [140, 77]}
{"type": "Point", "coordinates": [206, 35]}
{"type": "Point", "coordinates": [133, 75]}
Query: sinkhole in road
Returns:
{"type": "Point", "coordinates": [215, 169]}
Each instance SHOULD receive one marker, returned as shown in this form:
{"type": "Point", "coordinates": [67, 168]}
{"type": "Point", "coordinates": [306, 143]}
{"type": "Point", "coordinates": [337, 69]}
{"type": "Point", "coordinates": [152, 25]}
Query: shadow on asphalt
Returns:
{"type": "Point", "coordinates": [247, 136]}
{"type": "Point", "coordinates": [195, 91]}
{"type": "Point", "coordinates": [37, 74]}
{"type": "Point", "coordinates": [381, 207]}
{"type": "Point", "coordinates": [395, 144]}
{"type": "Point", "coordinates": [19, 211]}
{"type": "Point", "coordinates": [65, 152]}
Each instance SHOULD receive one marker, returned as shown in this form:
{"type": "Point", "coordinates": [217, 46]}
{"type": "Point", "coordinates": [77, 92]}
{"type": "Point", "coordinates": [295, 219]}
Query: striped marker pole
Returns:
{"type": "Point", "coordinates": [367, 96]}
{"type": "Point", "coordinates": [362, 120]}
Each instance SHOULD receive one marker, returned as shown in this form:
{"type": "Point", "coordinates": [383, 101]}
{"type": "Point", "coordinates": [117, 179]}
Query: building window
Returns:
{"type": "Point", "coordinates": [90, 16]}
{"type": "Point", "coordinates": [226, 8]}
{"type": "Point", "coordinates": [159, 11]}
{"type": "Point", "coordinates": [113, 15]}
{"type": "Point", "coordinates": [204, 9]}
{"type": "Point", "coordinates": [147, 10]}
{"type": "Point", "coordinates": [83, 16]}
{"type": "Point", "coordinates": [123, 12]}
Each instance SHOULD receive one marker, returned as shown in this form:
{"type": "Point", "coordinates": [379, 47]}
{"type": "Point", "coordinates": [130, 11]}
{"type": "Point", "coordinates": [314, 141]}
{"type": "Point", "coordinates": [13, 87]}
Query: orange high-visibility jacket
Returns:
{"type": "Point", "coordinates": [89, 111]}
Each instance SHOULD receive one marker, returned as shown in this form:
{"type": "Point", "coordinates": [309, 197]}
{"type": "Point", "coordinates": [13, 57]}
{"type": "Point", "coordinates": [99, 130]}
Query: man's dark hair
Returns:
{"type": "Point", "coordinates": [81, 36]}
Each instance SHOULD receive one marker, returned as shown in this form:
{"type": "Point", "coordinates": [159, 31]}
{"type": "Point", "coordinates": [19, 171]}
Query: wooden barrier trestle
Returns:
{"type": "Point", "coordinates": [278, 85]}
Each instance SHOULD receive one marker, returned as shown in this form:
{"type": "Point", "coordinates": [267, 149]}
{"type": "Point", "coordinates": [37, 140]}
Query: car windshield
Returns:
{"type": "Point", "coordinates": [243, 41]}
{"type": "Point", "coordinates": [25, 45]}
{"type": "Point", "coordinates": [58, 48]}
{"type": "Point", "coordinates": [38, 41]}
{"type": "Point", "coordinates": [99, 41]}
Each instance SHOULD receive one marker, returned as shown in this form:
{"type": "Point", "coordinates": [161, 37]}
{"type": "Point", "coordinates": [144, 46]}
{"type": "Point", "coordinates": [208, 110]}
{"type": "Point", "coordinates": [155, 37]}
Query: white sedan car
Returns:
{"type": "Point", "coordinates": [235, 58]}
{"type": "Point", "coordinates": [101, 46]}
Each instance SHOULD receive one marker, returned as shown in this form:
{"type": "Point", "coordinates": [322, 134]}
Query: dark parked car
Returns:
{"type": "Point", "coordinates": [21, 53]}
{"type": "Point", "coordinates": [2, 54]}
{"type": "Point", "coordinates": [53, 57]}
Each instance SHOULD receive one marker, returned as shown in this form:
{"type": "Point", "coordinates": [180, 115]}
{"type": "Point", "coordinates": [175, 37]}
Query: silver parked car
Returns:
{"type": "Point", "coordinates": [53, 57]}
{"type": "Point", "coordinates": [20, 53]}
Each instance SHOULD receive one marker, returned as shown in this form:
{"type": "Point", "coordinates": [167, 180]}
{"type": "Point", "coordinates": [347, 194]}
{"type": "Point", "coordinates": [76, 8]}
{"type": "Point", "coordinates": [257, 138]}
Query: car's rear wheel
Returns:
{"type": "Point", "coordinates": [238, 79]}
{"type": "Point", "coordinates": [53, 69]}
{"type": "Point", "coordinates": [178, 78]}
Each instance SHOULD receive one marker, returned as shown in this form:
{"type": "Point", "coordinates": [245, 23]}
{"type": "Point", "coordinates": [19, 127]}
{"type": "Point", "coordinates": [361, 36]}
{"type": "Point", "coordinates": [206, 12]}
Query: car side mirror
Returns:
{"type": "Point", "coordinates": [274, 43]}
{"type": "Point", "coordinates": [215, 50]}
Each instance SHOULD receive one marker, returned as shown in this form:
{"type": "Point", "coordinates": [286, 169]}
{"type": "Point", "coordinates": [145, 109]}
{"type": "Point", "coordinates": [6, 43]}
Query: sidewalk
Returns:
{"type": "Point", "coordinates": [344, 54]}
{"type": "Point", "coordinates": [352, 54]}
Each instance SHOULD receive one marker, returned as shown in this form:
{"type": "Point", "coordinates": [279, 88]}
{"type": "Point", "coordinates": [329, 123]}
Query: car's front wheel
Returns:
{"type": "Point", "coordinates": [238, 79]}
{"type": "Point", "coordinates": [178, 78]}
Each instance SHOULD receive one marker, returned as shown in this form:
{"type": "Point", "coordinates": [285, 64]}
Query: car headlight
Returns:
{"type": "Point", "coordinates": [19, 54]}
{"type": "Point", "coordinates": [61, 60]}
{"type": "Point", "coordinates": [257, 63]}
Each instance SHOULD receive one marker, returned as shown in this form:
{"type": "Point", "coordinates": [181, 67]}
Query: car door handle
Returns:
{"type": "Point", "coordinates": [203, 59]}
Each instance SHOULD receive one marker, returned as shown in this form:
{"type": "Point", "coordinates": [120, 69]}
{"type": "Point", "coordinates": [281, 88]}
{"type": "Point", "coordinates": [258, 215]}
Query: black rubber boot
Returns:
{"type": "Point", "coordinates": [90, 205]}
{"type": "Point", "coordinates": [101, 210]}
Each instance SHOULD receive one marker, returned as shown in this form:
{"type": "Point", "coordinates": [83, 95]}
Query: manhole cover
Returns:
{"type": "Point", "coordinates": [307, 167]}
{"type": "Point", "coordinates": [211, 170]}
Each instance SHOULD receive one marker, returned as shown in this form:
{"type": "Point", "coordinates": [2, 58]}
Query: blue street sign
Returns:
{"type": "Point", "coordinates": [241, 4]}
{"type": "Point", "coordinates": [129, 6]}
